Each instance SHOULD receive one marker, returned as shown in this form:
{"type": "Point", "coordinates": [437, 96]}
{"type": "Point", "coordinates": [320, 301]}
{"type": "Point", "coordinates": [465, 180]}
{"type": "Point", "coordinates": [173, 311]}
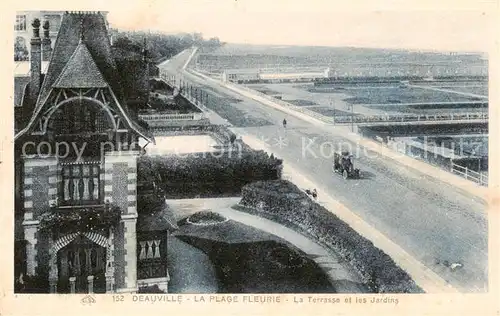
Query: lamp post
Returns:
{"type": "Point", "coordinates": [351, 107]}
{"type": "Point", "coordinates": [331, 105]}
{"type": "Point", "coordinates": [478, 160]}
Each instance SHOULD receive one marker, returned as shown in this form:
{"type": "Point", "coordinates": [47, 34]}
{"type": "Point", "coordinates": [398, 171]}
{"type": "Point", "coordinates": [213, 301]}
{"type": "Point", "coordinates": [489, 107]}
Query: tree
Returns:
{"type": "Point", "coordinates": [198, 38]}
{"type": "Point", "coordinates": [161, 46]}
{"type": "Point", "coordinates": [122, 41]}
{"type": "Point", "coordinates": [214, 42]}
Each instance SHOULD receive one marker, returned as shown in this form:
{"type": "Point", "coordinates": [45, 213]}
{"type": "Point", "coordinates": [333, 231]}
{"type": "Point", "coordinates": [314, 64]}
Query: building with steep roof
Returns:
{"type": "Point", "coordinates": [77, 142]}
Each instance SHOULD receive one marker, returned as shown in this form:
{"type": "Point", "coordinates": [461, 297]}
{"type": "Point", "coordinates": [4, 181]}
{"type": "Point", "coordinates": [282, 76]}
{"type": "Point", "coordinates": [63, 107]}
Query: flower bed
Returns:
{"type": "Point", "coordinates": [80, 219]}
{"type": "Point", "coordinates": [206, 218]}
{"type": "Point", "coordinates": [285, 203]}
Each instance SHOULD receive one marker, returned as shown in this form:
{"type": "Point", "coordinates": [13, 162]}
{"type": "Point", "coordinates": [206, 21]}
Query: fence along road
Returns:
{"type": "Point", "coordinates": [428, 218]}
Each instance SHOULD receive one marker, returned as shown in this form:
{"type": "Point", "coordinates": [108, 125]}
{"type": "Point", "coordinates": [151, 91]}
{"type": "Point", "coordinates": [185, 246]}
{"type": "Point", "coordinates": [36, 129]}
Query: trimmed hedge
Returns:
{"type": "Point", "coordinates": [284, 202]}
{"type": "Point", "coordinates": [207, 175]}
{"type": "Point", "coordinates": [149, 201]}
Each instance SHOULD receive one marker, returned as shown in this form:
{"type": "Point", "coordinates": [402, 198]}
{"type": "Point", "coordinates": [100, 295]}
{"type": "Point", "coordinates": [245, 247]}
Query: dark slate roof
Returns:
{"type": "Point", "coordinates": [20, 84]}
{"type": "Point", "coordinates": [156, 221]}
{"type": "Point", "coordinates": [81, 71]}
{"type": "Point", "coordinates": [96, 40]}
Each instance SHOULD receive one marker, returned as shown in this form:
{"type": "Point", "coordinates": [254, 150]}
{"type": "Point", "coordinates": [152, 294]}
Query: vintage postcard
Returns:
{"type": "Point", "coordinates": [253, 157]}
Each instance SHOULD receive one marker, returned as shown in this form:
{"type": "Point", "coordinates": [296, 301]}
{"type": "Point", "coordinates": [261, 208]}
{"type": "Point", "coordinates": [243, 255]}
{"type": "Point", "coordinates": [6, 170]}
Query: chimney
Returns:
{"type": "Point", "coordinates": [46, 42]}
{"type": "Point", "coordinates": [145, 57]}
{"type": "Point", "coordinates": [146, 85]}
{"type": "Point", "coordinates": [36, 60]}
{"type": "Point", "coordinates": [144, 50]}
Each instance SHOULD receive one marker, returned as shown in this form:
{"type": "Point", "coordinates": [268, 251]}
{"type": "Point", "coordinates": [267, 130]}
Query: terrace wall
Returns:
{"type": "Point", "coordinates": [221, 133]}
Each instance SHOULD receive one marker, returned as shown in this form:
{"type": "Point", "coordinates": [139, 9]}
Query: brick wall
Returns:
{"type": "Point", "coordinates": [39, 191]}
{"type": "Point", "coordinates": [120, 188]}
{"type": "Point", "coordinates": [119, 257]}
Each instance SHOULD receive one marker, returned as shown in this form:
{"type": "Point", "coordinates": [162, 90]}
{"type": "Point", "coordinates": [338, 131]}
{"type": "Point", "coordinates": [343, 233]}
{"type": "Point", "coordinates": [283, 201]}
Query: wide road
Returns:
{"type": "Point", "coordinates": [433, 221]}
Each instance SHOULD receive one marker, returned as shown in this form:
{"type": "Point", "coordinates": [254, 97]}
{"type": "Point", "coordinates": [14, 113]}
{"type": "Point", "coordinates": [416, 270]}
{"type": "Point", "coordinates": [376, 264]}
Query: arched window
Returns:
{"type": "Point", "coordinates": [80, 117]}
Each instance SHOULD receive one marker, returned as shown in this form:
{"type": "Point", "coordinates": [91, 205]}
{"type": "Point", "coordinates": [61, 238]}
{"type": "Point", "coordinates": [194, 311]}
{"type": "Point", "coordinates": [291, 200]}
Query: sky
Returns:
{"type": "Point", "coordinates": [446, 25]}
{"type": "Point", "coordinates": [449, 26]}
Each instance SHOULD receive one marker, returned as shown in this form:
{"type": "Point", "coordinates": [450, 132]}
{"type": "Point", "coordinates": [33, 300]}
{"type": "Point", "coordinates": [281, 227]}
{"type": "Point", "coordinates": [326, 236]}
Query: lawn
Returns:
{"type": "Point", "coordinates": [225, 107]}
{"type": "Point", "coordinates": [248, 260]}
{"type": "Point", "coordinates": [480, 90]}
{"type": "Point", "coordinates": [265, 90]}
{"type": "Point", "coordinates": [327, 111]}
{"type": "Point", "coordinates": [432, 109]}
{"type": "Point", "coordinates": [396, 95]}
{"type": "Point", "coordinates": [344, 61]}
{"type": "Point", "coordinates": [301, 102]}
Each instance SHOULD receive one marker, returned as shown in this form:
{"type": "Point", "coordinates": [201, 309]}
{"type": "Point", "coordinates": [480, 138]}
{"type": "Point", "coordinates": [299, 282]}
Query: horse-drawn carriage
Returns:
{"type": "Point", "coordinates": [342, 163]}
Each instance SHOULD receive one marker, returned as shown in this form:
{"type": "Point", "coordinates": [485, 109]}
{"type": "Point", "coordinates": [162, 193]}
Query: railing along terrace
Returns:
{"type": "Point", "coordinates": [412, 118]}
{"type": "Point", "coordinates": [468, 174]}
{"type": "Point", "coordinates": [184, 93]}
{"type": "Point", "coordinates": [151, 269]}
{"type": "Point", "coordinates": [164, 117]}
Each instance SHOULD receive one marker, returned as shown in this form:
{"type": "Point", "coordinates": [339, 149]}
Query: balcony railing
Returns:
{"type": "Point", "coordinates": [80, 184]}
{"type": "Point", "coordinates": [151, 268]}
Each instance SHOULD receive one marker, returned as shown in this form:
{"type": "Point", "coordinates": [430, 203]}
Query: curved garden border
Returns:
{"type": "Point", "coordinates": [208, 220]}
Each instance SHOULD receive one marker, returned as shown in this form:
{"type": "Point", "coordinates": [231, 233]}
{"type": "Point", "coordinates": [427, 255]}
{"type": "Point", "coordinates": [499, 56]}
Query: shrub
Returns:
{"type": "Point", "coordinates": [151, 289]}
{"type": "Point", "coordinates": [32, 284]}
{"type": "Point", "coordinates": [83, 219]}
{"type": "Point", "coordinates": [287, 204]}
{"type": "Point", "coordinates": [150, 202]}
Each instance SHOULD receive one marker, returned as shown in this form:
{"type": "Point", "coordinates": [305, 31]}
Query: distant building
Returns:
{"type": "Point", "coordinates": [291, 77]}
{"type": "Point", "coordinates": [234, 75]}
{"type": "Point", "coordinates": [249, 75]}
